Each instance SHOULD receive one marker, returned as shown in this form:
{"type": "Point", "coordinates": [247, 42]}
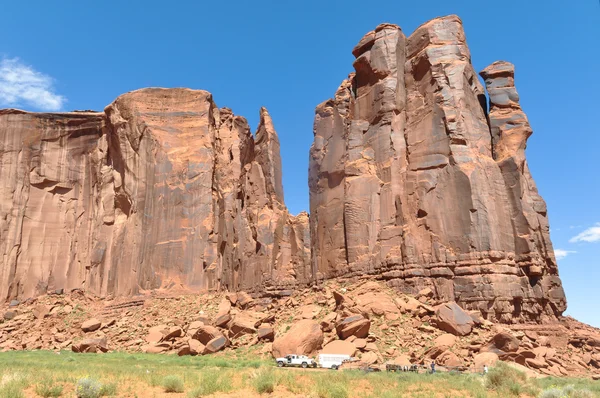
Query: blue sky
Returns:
{"type": "Point", "coordinates": [290, 56]}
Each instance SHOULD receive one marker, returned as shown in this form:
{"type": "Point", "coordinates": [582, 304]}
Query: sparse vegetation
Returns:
{"type": "Point", "coordinates": [172, 383]}
{"type": "Point", "coordinates": [265, 381]}
{"type": "Point", "coordinates": [88, 387]}
{"type": "Point", "coordinates": [46, 374]}
{"type": "Point", "coordinates": [48, 389]}
{"type": "Point", "coordinates": [568, 391]}
{"type": "Point", "coordinates": [211, 382]}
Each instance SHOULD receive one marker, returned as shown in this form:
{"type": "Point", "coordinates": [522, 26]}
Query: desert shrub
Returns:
{"type": "Point", "coordinates": [568, 391]}
{"type": "Point", "coordinates": [551, 393]}
{"type": "Point", "coordinates": [210, 383]}
{"type": "Point", "coordinates": [12, 390]}
{"type": "Point", "coordinates": [88, 388]}
{"type": "Point", "coordinates": [265, 382]}
{"type": "Point", "coordinates": [331, 387]}
{"type": "Point", "coordinates": [172, 383]}
{"type": "Point", "coordinates": [48, 389]}
{"type": "Point", "coordinates": [108, 389]}
{"type": "Point", "coordinates": [505, 379]}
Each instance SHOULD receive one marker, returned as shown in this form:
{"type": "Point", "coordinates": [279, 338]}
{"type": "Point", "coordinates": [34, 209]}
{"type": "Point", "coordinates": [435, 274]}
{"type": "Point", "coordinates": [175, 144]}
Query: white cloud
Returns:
{"type": "Point", "coordinates": [20, 85]}
{"type": "Point", "coordinates": [560, 253]}
{"type": "Point", "coordinates": [592, 234]}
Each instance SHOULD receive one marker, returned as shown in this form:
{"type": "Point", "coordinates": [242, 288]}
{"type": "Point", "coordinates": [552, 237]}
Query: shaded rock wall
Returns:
{"type": "Point", "coordinates": [163, 189]}
{"type": "Point", "coordinates": [411, 182]}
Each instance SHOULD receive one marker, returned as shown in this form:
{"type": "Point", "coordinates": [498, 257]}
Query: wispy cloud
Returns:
{"type": "Point", "coordinates": [560, 253]}
{"type": "Point", "coordinates": [22, 85]}
{"type": "Point", "coordinates": [592, 234]}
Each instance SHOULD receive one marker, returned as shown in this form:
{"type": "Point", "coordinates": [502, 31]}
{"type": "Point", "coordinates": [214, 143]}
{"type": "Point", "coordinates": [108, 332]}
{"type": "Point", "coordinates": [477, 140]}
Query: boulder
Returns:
{"type": "Point", "coordinates": [222, 320]}
{"type": "Point", "coordinates": [91, 345]}
{"type": "Point", "coordinates": [91, 325]}
{"type": "Point", "coordinates": [402, 360]}
{"type": "Point", "coordinates": [206, 333]}
{"type": "Point", "coordinates": [216, 344]}
{"type": "Point", "coordinates": [14, 303]}
{"type": "Point", "coordinates": [244, 300]}
{"type": "Point", "coordinates": [309, 311]}
{"type": "Point", "coordinates": [448, 359]}
{"type": "Point", "coordinates": [370, 358]}
{"type": "Point", "coordinates": [446, 340]}
{"type": "Point", "coordinates": [8, 315]}
{"type": "Point", "coordinates": [339, 347]}
{"type": "Point", "coordinates": [241, 324]}
{"type": "Point", "coordinates": [536, 363]}
{"type": "Point", "coordinates": [452, 319]}
{"type": "Point", "coordinates": [173, 332]}
{"type": "Point", "coordinates": [304, 338]}
{"type": "Point", "coordinates": [505, 342]}
{"type": "Point", "coordinates": [195, 347]}
{"type": "Point", "coordinates": [224, 307]}
{"type": "Point", "coordinates": [360, 343]}
{"type": "Point", "coordinates": [342, 301]}
{"type": "Point", "coordinates": [41, 311]}
{"type": "Point", "coordinates": [266, 334]}
{"type": "Point", "coordinates": [184, 350]}
{"type": "Point", "coordinates": [484, 358]}
{"type": "Point", "coordinates": [193, 328]}
{"type": "Point", "coordinates": [154, 336]}
{"type": "Point", "coordinates": [356, 325]}
{"type": "Point", "coordinates": [156, 348]}
{"type": "Point", "coordinates": [408, 304]}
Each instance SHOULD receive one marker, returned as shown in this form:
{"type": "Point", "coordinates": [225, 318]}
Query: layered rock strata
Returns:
{"type": "Point", "coordinates": [162, 189]}
{"type": "Point", "coordinates": [412, 181]}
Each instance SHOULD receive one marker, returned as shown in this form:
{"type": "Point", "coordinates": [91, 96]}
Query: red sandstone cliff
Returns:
{"type": "Point", "coordinates": [412, 182]}
{"type": "Point", "coordinates": [162, 189]}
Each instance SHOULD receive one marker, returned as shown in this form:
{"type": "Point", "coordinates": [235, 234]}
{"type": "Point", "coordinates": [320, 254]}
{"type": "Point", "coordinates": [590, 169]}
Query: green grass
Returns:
{"type": "Point", "coordinates": [121, 374]}
{"type": "Point", "coordinates": [172, 383]}
{"type": "Point", "coordinates": [48, 389]}
{"type": "Point", "coordinates": [265, 381]}
{"type": "Point", "coordinates": [210, 383]}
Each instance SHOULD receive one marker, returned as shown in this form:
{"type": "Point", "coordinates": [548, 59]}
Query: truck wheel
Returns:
{"type": "Point", "coordinates": [334, 367]}
{"type": "Point", "coordinates": [304, 365]}
{"type": "Point", "coordinates": [280, 364]}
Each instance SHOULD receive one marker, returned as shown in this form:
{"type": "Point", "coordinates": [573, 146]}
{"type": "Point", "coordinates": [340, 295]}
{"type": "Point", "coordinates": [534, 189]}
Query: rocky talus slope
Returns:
{"type": "Point", "coordinates": [414, 180]}
{"type": "Point", "coordinates": [363, 318]}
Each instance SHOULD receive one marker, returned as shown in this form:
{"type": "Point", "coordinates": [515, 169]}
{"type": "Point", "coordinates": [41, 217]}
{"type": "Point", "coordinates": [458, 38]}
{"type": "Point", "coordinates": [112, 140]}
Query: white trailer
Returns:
{"type": "Point", "coordinates": [332, 361]}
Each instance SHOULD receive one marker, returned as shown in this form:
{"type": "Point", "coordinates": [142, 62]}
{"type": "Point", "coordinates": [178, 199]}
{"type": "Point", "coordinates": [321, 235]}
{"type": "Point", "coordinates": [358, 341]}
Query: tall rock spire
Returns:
{"type": "Point", "coordinates": [510, 130]}
{"type": "Point", "coordinates": [268, 155]}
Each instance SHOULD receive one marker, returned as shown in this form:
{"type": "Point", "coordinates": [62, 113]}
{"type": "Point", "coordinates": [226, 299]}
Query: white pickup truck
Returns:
{"type": "Point", "coordinates": [296, 360]}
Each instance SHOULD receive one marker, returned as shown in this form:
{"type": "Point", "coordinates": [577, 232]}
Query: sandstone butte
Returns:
{"type": "Point", "coordinates": [414, 180]}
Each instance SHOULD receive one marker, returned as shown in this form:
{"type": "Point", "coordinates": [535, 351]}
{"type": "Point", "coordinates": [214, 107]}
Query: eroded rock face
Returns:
{"type": "Point", "coordinates": [409, 179]}
{"type": "Point", "coordinates": [412, 180]}
{"type": "Point", "coordinates": [163, 189]}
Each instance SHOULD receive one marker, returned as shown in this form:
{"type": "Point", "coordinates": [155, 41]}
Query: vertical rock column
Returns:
{"type": "Point", "coordinates": [510, 130]}
{"type": "Point", "coordinates": [376, 157]}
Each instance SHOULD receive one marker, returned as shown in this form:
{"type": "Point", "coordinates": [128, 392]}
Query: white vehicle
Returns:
{"type": "Point", "coordinates": [296, 360]}
{"type": "Point", "coordinates": [332, 361]}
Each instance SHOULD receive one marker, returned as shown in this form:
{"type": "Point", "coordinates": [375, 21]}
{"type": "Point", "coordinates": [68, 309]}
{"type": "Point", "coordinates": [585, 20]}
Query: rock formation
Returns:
{"type": "Point", "coordinates": [162, 189]}
{"type": "Point", "coordinates": [413, 182]}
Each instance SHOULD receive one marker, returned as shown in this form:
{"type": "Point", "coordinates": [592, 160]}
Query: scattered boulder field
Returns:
{"type": "Point", "coordinates": [362, 318]}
